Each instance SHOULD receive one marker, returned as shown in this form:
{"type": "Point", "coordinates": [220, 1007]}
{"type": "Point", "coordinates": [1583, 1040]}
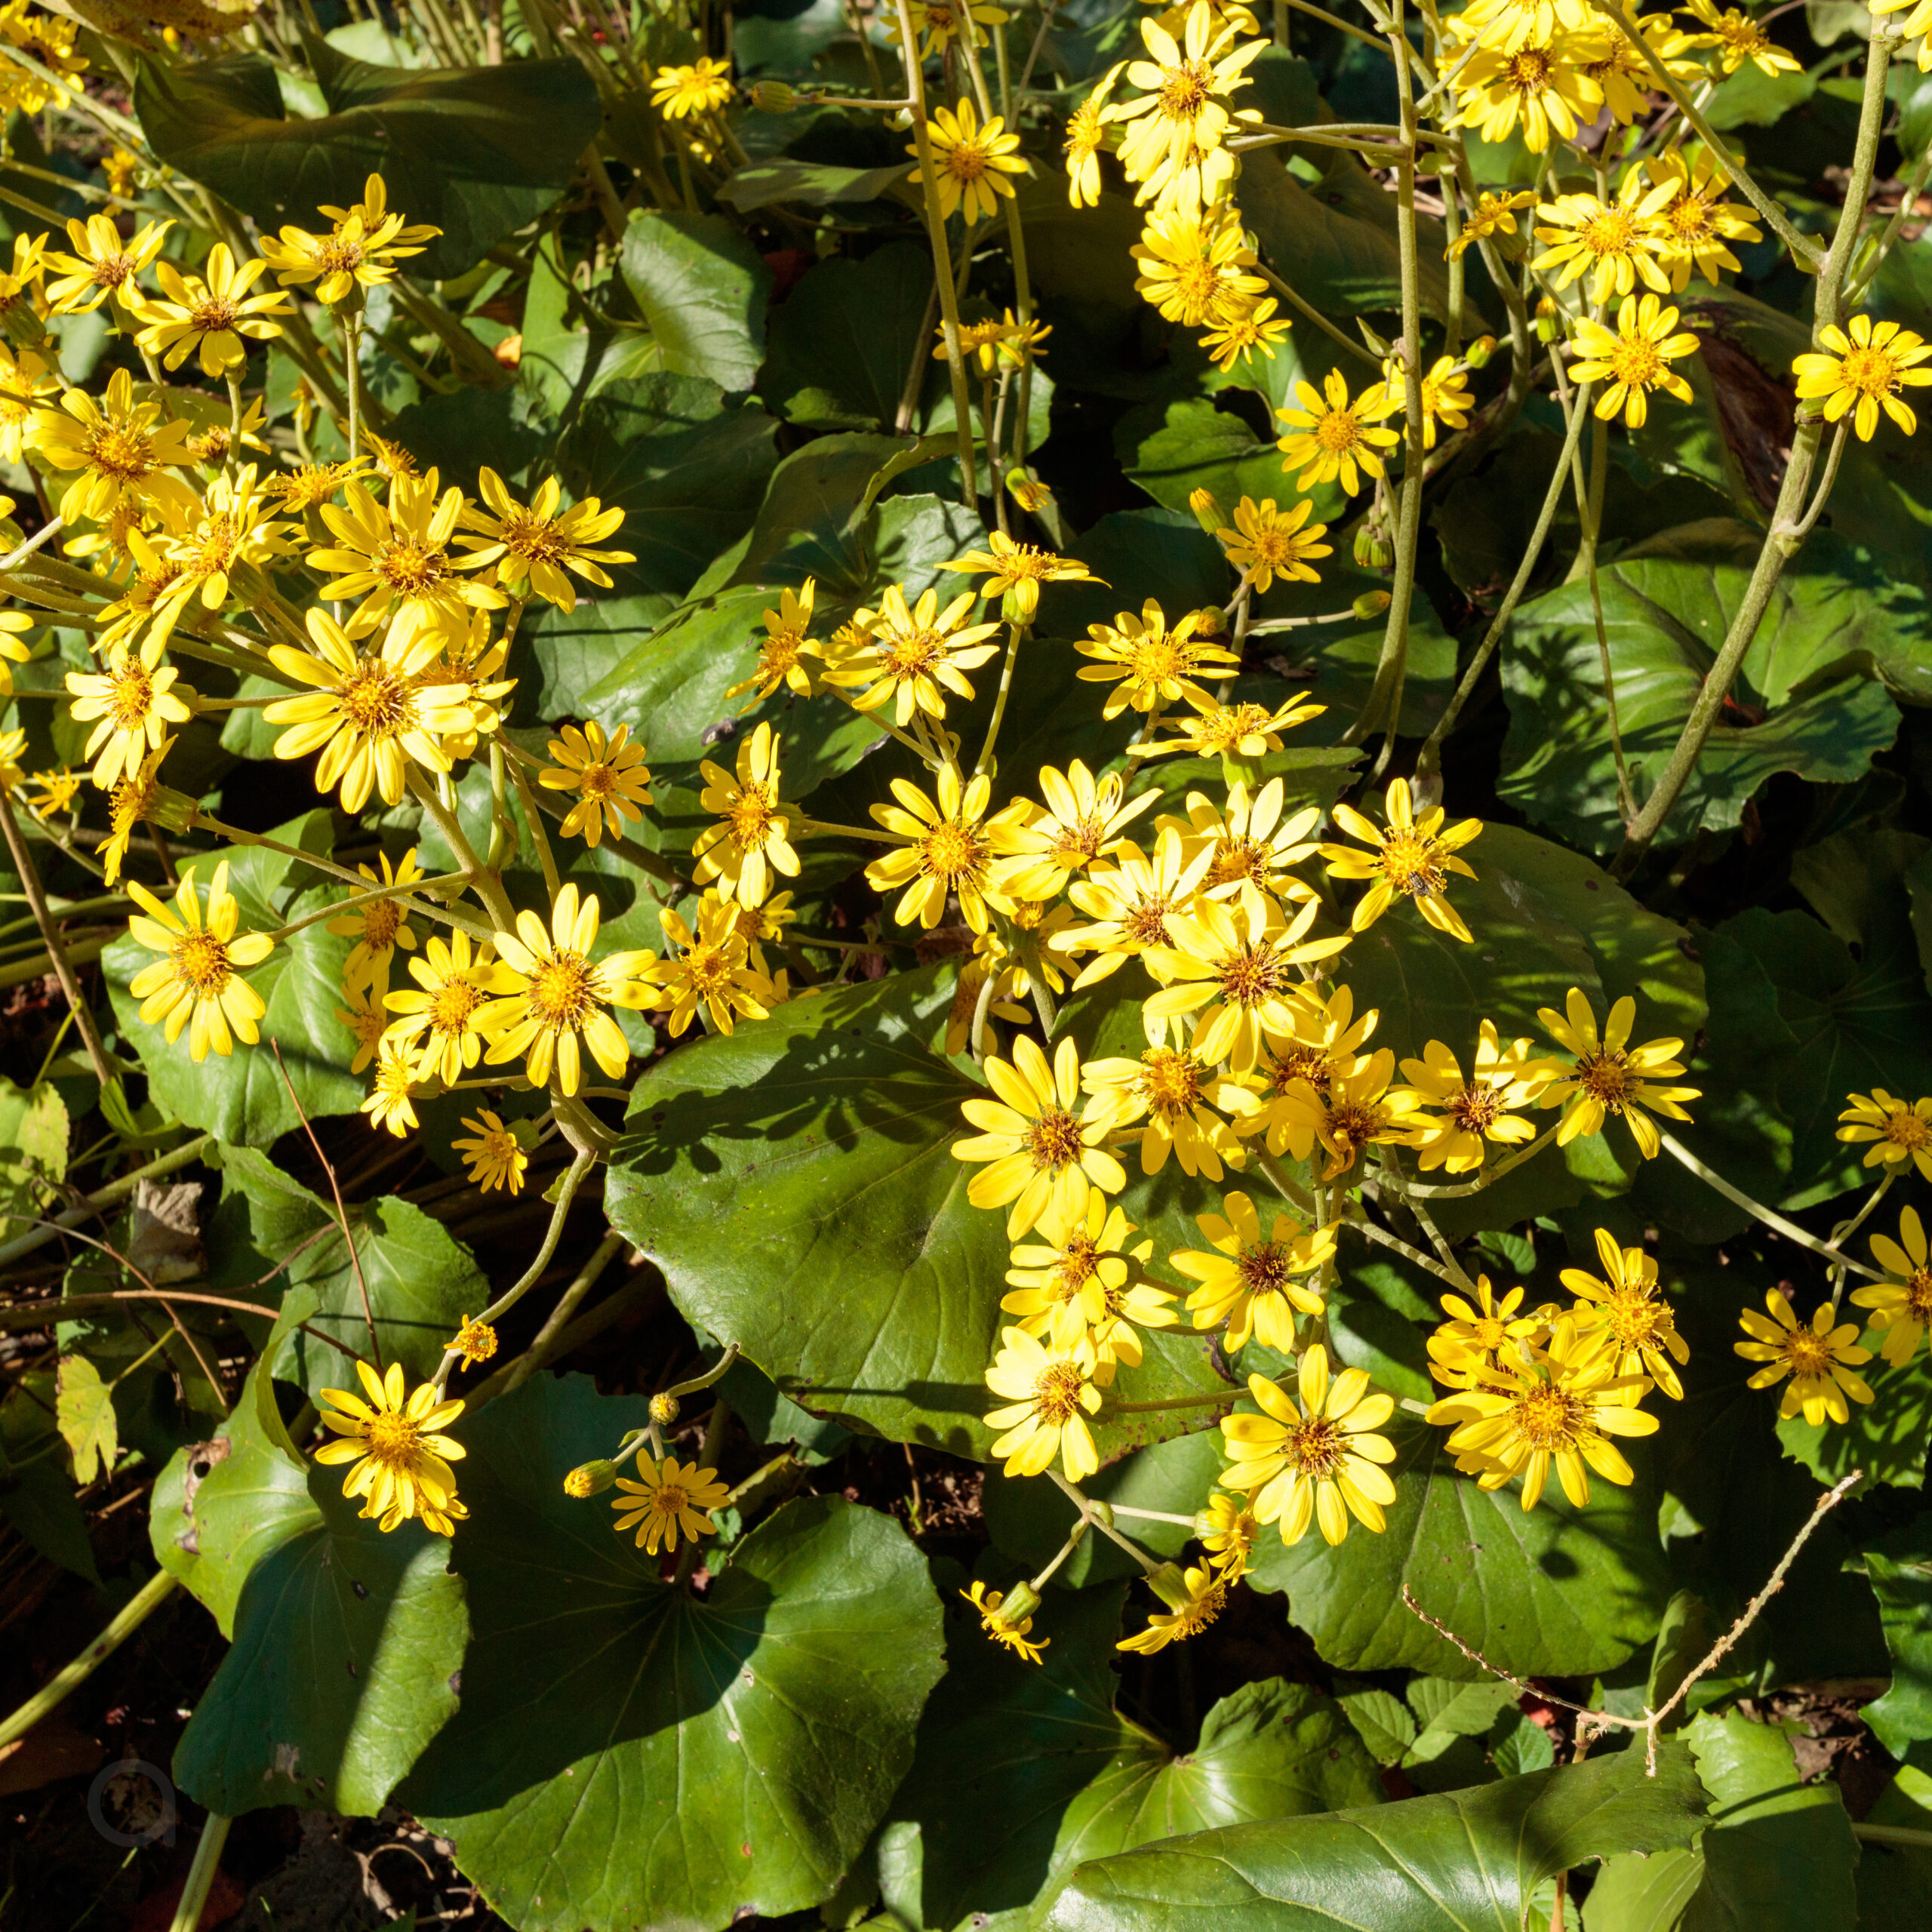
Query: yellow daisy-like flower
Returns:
{"type": "Point", "coordinates": [1254, 848]}
{"type": "Point", "coordinates": [702, 87]}
{"type": "Point", "coordinates": [1541, 86]}
{"type": "Point", "coordinates": [121, 449]}
{"type": "Point", "coordinates": [1265, 542]}
{"type": "Point", "coordinates": [535, 547]}
{"type": "Point", "coordinates": [25, 383]}
{"type": "Point", "coordinates": [1132, 902]}
{"type": "Point", "coordinates": [1193, 268]}
{"type": "Point", "coordinates": [1697, 218]}
{"type": "Point", "coordinates": [1047, 1394]}
{"type": "Point", "coordinates": [391, 1104]}
{"type": "Point", "coordinates": [709, 966]}
{"type": "Point", "coordinates": [208, 315]}
{"type": "Point", "coordinates": [1628, 1305]}
{"type": "Point", "coordinates": [1561, 1411]}
{"type": "Point", "coordinates": [1256, 328]}
{"type": "Point", "coordinates": [58, 790]}
{"type": "Point", "coordinates": [668, 1497]}
{"type": "Point", "coordinates": [1042, 1161]}
{"type": "Point", "coordinates": [1360, 1109]}
{"type": "Point", "coordinates": [1228, 1530]}
{"type": "Point", "coordinates": [1087, 1284]}
{"type": "Point", "coordinates": [1242, 731]}
{"type": "Point", "coordinates": [1609, 1076]}
{"type": "Point", "coordinates": [133, 701]}
{"type": "Point", "coordinates": [1472, 1112]}
{"type": "Point", "coordinates": [948, 850]}
{"type": "Point", "coordinates": [442, 1014]}
{"type": "Point", "coordinates": [1084, 819]}
{"type": "Point", "coordinates": [1318, 1463]}
{"type": "Point", "coordinates": [1329, 437]}
{"type": "Point", "coordinates": [1184, 88]}
{"type": "Point", "coordinates": [1176, 1096]}
{"type": "Point", "coordinates": [400, 1456]}
{"type": "Point", "coordinates": [938, 23]}
{"type": "Point", "coordinates": [1821, 1357]}
{"type": "Point", "coordinates": [904, 655]}
{"type": "Point", "coordinates": [474, 1341]}
{"type": "Point", "coordinates": [1410, 856]}
{"type": "Point", "coordinates": [1901, 1307]}
{"type": "Point", "coordinates": [609, 775]}
{"type": "Point", "coordinates": [1616, 243]}
{"type": "Point", "coordinates": [781, 657]}
{"type": "Point", "coordinates": [367, 1023]}
{"type": "Point", "coordinates": [379, 927]}
{"type": "Point", "coordinates": [138, 799]}
{"type": "Point", "coordinates": [1738, 38]}
{"type": "Point", "coordinates": [495, 1157]}
{"type": "Point", "coordinates": [103, 264]}
{"type": "Point", "coordinates": [371, 717]}
{"type": "Point", "coordinates": [1898, 1132]}
{"type": "Point", "coordinates": [1862, 369]}
{"type": "Point", "coordinates": [1150, 663]}
{"type": "Point", "coordinates": [556, 1009]}
{"type": "Point", "coordinates": [971, 163]}
{"type": "Point", "coordinates": [1194, 1600]}
{"type": "Point", "coordinates": [1014, 1636]}
{"type": "Point", "coordinates": [309, 484]}
{"type": "Point", "coordinates": [1493, 214]}
{"type": "Point", "coordinates": [119, 169]}
{"type": "Point", "coordinates": [198, 977]}
{"type": "Point", "coordinates": [1461, 1348]}
{"type": "Point", "coordinates": [1086, 135]}
{"type": "Point", "coordinates": [1444, 390]}
{"type": "Point", "coordinates": [1014, 573]}
{"type": "Point", "coordinates": [360, 251]}
{"type": "Point", "coordinates": [1322, 1044]}
{"type": "Point", "coordinates": [753, 838]}
{"type": "Point", "coordinates": [1633, 361]}
{"type": "Point", "coordinates": [1248, 1280]}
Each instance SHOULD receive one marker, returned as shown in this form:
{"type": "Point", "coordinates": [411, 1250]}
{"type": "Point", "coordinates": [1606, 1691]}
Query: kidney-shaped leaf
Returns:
{"type": "Point", "coordinates": [703, 288]}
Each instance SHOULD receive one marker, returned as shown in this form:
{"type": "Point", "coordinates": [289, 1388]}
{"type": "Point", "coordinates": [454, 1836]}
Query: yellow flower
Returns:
{"type": "Point", "coordinates": [371, 717]}
{"type": "Point", "coordinates": [379, 927]}
{"type": "Point", "coordinates": [309, 484]}
{"type": "Point", "coordinates": [1084, 819]}
{"type": "Point", "coordinates": [1610, 1076]}
{"type": "Point", "coordinates": [1078, 1288]}
{"type": "Point", "coordinates": [609, 775]}
{"type": "Point", "coordinates": [401, 1458]}
{"type": "Point", "coordinates": [1237, 333]}
{"type": "Point", "coordinates": [1821, 1358]}
{"type": "Point", "coordinates": [367, 1023]}
{"type": "Point", "coordinates": [1697, 218]}
{"type": "Point", "coordinates": [1241, 730]}
{"type": "Point", "coordinates": [669, 1496]}
{"type": "Point", "coordinates": [1616, 243]}
{"type": "Point", "coordinates": [1444, 390]}
{"type": "Point", "coordinates": [135, 701]}
{"type": "Point", "coordinates": [1048, 1393]}
{"type": "Point", "coordinates": [1461, 1349]}
{"type": "Point", "coordinates": [1411, 855]}
{"type": "Point", "coordinates": [1086, 135]}
{"type": "Point", "coordinates": [1329, 437]}
{"type": "Point", "coordinates": [1132, 902]}
{"type": "Point", "coordinates": [988, 1603]}
{"type": "Point", "coordinates": [1898, 1133]}
{"type": "Point", "coordinates": [1738, 38]}
{"type": "Point", "coordinates": [198, 976]}
{"type": "Point", "coordinates": [535, 546]}
{"type": "Point", "coordinates": [904, 655]}
{"type": "Point", "coordinates": [392, 1092]}
{"type": "Point", "coordinates": [1626, 1303]}
{"type": "Point", "coordinates": [1265, 544]}
{"type": "Point", "coordinates": [1541, 85]}
{"type": "Point", "coordinates": [1494, 214]}
{"type": "Point", "coordinates": [781, 657]}
{"type": "Point", "coordinates": [1902, 1306]}
{"type": "Point", "coordinates": [103, 264]}
{"type": "Point", "coordinates": [939, 22]}
{"type": "Point", "coordinates": [209, 315]}
{"type": "Point", "coordinates": [1320, 1045]}
{"type": "Point", "coordinates": [1248, 1281]}
{"type": "Point", "coordinates": [1014, 573]}
{"type": "Point", "coordinates": [1177, 1095]}
{"type": "Point", "coordinates": [1150, 663]}
{"type": "Point", "coordinates": [232, 533]}
{"type": "Point", "coordinates": [25, 380]}
{"type": "Point", "coordinates": [1481, 1109]}
{"type": "Point", "coordinates": [1360, 1109]}
{"type": "Point", "coordinates": [970, 163]}
{"type": "Point", "coordinates": [13, 626]}
{"type": "Point", "coordinates": [495, 1157]}
{"type": "Point", "coordinates": [1635, 360]}
{"type": "Point", "coordinates": [475, 1341]}
{"type": "Point", "coordinates": [119, 169]}
{"type": "Point", "coordinates": [1191, 269]}
{"type": "Point", "coordinates": [57, 792]}
{"type": "Point", "coordinates": [1199, 1598]}
{"type": "Point", "coordinates": [138, 799]}
{"type": "Point", "coordinates": [360, 251]}
{"type": "Point", "coordinates": [122, 449]}
{"type": "Point", "coordinates": [753, 838]}
{"type": "Point", "coordinates": [710, 967]}
{"type": "Point", "coordinates": [948, 850]}
{"type": "Point", "coordinates": [1042, 1161]}
{"type": "Point", "coordinates": [1185, 84]}
{"type": "Point", "coordinates": [1866, 368]}
{"type": "Point", "coordinates": [43, 38]}
{"type": "Point", "coordinates": [1254, 848]}
{"type": "Point", "coordinates": [702, 88]}
{"type": "Point", "coordinates": [1232, 1530]}
{"type": "Point", "coordinates": [442, 1014]}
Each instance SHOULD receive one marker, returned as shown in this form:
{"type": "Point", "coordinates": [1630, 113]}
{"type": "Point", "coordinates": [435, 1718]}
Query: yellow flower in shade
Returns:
{"type": "Point", "coordinates": [905, 655]}
{"type": "Point", "coordinates": [1318, 1463]}
{"type": "Point", "coordinates": [1184, 88]}
{"type": "Point", "coordinates": [367, 1023]}
{"type": "Point", "coordinates": [1898, 1133]}
{"type": "Point", "coordinates": [138, 799]}
{"type": "Point", "coordinates": [401, 1455]}
{"type": "Point", "coordinates": [556, 1008]}
{"type": "Point", "coordinates": [1240, 731]}
{"type": "Point", "coordinates": [752, 839]}
{"type": "Point", "coordinates": [781, 658]}
{"type": "Point", "coordinates": [971, 163]}
{"type": "Point", "coordinates": [609, 775]}
{"type": "Point", "coordinates": [1328, 436]}
{"type": "Point", "coordinates": [1014, 573]}
{"type": "Point", "coordinates": [534, 550]}
{"type": "Point", "coordinates": [1471, 1113]}
{"type": "Point", "coordinates": [392, 1093]}
{"type": "Point", "coordinates": [1627, 1303]}
{"type": "Point", "coordinates": [702, 88]}
{"type": "Point", "coordinates": [1738, 38]}
{"type": "Point", "coordinates": [360, 251]}
{"type": "Point", "coordinates": [122, 449]}
{"type": "Point", "coordinates": [49, 40]}
{"type": "Point", "coordinates": [1228, 1530]}
{"type": "Point", "coordinates": [668, 1497]}
{"type": "Point", "coordinates": [119, 170]}
{"type": "Point", "coordinates": [198, 977]}
{"type": "Point", "coordinates": [938, 23]}
{"type": "Point", "coordinates": [1322, 1044]}
{"type": "Point", "coordinates": [310, 483]}
{"type": "Point", "coordinates": [1014, 1636]}
{"type": "Point", "coordinates": [58, 790]}
{"type": "Point", "coordinates": [1252, 847]}
{"type": "Point", "coordinates": [1047, 1394]}
{"type": "Point", "coordinates": [1494, 214]}
{"type": "Point", "coordinates": [1361, 1109]}
{"type": "Point", "coordinates": [1238, 968]}
{"type": "Point", "coordinates": [1609, 1076]}
{"type": "Point", "coordinates": [1150, 663]}
{"type": "Point", "coordinates": [1084, 820]}
{"type": "Point", "coordinates": [1901, 1307]}
{"type": "Point", "coordinates": [132, 703]}
{"type": "Point", "coordinates": [1193, 1599]}
{"type": "Point", "coordinates": [103, 264]}
{"type": "Point", "coordinates": [371, 717]}
{"type": "Point", "coordinates": [1086, 135]}
{"type": "Point", "coordinates": [1540, 86]}
{"type": "Point", "coordinates": [1132, 901]}
{"type": "Point", "coordinates": [948, 850]}
{"type": "Point", "coordinates": [1865, 366]}
{"type": "Point", "coordinates": [710, 967]}
{"type": "Point", "coordinates": [1697, 218]}
{"type": "Point", "coordinates": [1462, 1348]}
{"type": "Point", "coordinates": [1444, 389]}
{"type": "Point", "coordinates": [1042, 1162]}
{"type": "Point", "coordinates": [1195, 270]}
{"type": "Point", "coordinates": [1560, 1411]}
{"type": "Point", "coordinates": [1086, 1284]}
{"type": "Point", "coordinates": [1616, 243]}
{"type": "Point", "coordinates": [20, 296]}
{"type": "Point", "coordinates": [475, 1341]}
{"type": "Point", "coordinates": [208, 315]}
{"type": "Point", "coordinates": [1411, 856]}
{"type": "Point", "coordinates": [25, 384]}
{"type": "Point", "coordinates": [1265, 542]}
{"type": "Point", "coordinates": [1635, 360]}
{"type": "Point", "coordinates": [1821, 1358]}
{"type": "Point", "coordinates": [379, 927]}
{"type": "Point", "coordinates": [1247, 1279]}
{"type": "Point", "coordinates": [1254, 329]}
{"type": "Point", "coordinates": [442, 1014]}
{"type": "Point", "coordinates": [495, 1159]}
{"type": "Point", "coordinates": [1175, 1095]}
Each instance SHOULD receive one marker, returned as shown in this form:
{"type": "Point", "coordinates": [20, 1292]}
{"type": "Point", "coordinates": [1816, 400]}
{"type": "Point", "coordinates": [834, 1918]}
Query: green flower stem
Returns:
{"type": "Point", "coordinates": [1770, 1217]}
{"type": "Point", "coordinates": [539, 1351]}
{"type": "Point", "coordinates": [1152, 1515]}
{"type": "Point", "coordinates": [104, 1069]}
{"type": "Point", "coordinates": [486, 884]}
{"type": "Point", "coordinates": [1456, 1280]}
{"type": "Point", "coordinates": [1589, 508]}
{"type": "Point", "coordinates": [1393, 1174]}
{"type": "Point", "coordinates": [1833, 457]}
{"type": "Point", "coordinates": [1315, 316]}
{"type": "Point", "coordinates": [654, 865]}
{"type": "Point", "coordinates": [200, 1874]}
{"type": "Point", "coordinates": [138, 1608]}
{"type": "Point", "coordinates": [1174, 1402]}
{"type": "Point", "coordinates": [46, 531]}
{"type": "Point", "coordinates": [1284, 1184]}
{"type": "Point", "coordinates": [1844, 1231]}
{"type": "Point", "coordinates": [282, 933]}
{"type": "Point", "coordinates": [1148, 1564]}
{"type": "Point", "coordinates": [1876, 247]}
{"type": "Point", "coordinates": [1490, 1173]}
{"type": "Point", "coordinates": [352, 369]}
{"type": "Point", "coordinates": [79, 954]}
{"type": "Point", "coordinates": [985, 765]}
{"type": "Point", "coordinates": [1037, 1584]}
{"type": "Point", "coordinates": [1341, 26]}
{"type": "Point", "coordinates": [707, 1458]}
{"type": "Point", "coordinates": [545, 856]}
{"type": "Point", "coordinates": [816, 828]}
{"type": "Point", "coordinates": [1891, 1834]}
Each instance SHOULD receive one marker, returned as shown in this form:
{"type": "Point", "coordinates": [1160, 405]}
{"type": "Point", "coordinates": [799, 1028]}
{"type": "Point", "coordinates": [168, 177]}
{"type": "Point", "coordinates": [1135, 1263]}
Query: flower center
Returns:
{"type": "Point", "coordinates": [1807, 1353]}
{"type": "Point", "coordinates": [338, 255]}
{"type": "Point", "coordinates": [599, 781]}
{"type": "Point", "coordinates": [1053, 1140]}
{"type": "Point", "coordinates": [1410, 864]}
{"type": "Point", "coordinates": [1184, 91]}
{"type": "Point", "coordinates": [1298, 1062]}
{"type": "Point", "coordinates": [1338, 430]}
{"type": "Point", "coordinates": [1171, 1080]}
{"type": "Point", "coordinates": [117, 451]}
{"type": "Point", "coordinates": [752, 818]}
{"type": "Point", "coordinates": [1919, 1295]}
{"type": "Point", "coordinates": [1201, 1612]}
{"type": "Point", "coordinates": [1606, 1077]}
{"type": "Point", "coordinates": [1315, 1447]}
{"type": "Point", "coordinates": [966, 160]}
{"type": "Point", "coordinates": [1239, 859]}
{"type": "Point", "coordinates": [1689, 217]}
{"type": "Point", "coordinates": [1156, 658]}
{"type": "Point", "coordinates": [376, 699]}
{"type": "Point", "coordinates": [1076, 1267]}
{"type": "Point", "coordinates": [201, 964]}
{"type": "Point", "coordinates": [1475, 1110]}
{"type": "Point", "coordinates": [672, 1497]}
{"type": "Point", "coordinates": [452, 1006]}
{"type": "Point", "coordinates": [132, 694]}
{"type": "Point", "coordinates": [1634, 361]}
{"type": "Point", "coordinates": [1870, 371]}
{"type": "Point", "coordinates": [533, 538]}
{"type": "Point", "coordinates": [910, 653]}
{"type": "Point", "coordinates": [708, 968]}
{"type": "Point", "coordinates": [408, 569]}
{"type": "Point", "coordinates": [1056, 1392]}
{"type": "Point", "coordinates": [952, 853]}
{"type": "Point", "coordinates": [391, 1439]}
{"type": "Point", "coordinates": [1146, 924]}
{"type": "Point", "coordinates": [1351, 1125]}
{"type": "Point", "coordinates": [1552, 1419]}
{"type": "Point", "coordinates": [380, 922]}
{"type": "Point", "coordinates": [1908, 1130]}
{"type": "Point", "coordinates": [561, 989]}
{"type": "Point", "coordinates": [214, 314]}
{"type": "Point", "coordinates": [1634, 1320]}
{"type": "Point", "coordinates": [1612, 232]}
{"type": "Point", "coordinates": [1029, 564]}
{"type": "Point", "coordinates": [1251, 978]}
{"type": "Point", "coordinates": [1263, 1268]}
{"type": "Point", "coordinates": [111, 271]}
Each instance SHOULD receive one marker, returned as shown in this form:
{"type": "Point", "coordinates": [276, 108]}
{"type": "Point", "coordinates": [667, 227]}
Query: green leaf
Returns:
{"type": "Point", "coordinates": [85, 1412]}
{"type": "Point", "coordinates": [845, 341]}
{"type": "Point", "coordinates": [1635, 1894]}
{"type": "Point", "coordinates": [1895, 1880]}
{"type": "Point", "coordinates": [796, 1183]}
{"type": "Point", "coordinates": [1553, 1591]}
{"type": "Point", "coordinates": [1024, 1771]}
{"type": "Point", "coordinates": [814, 184]}
{"type": "Point", "coordinates": [702, 288]}
{"type": "Point", "coordinates": [574, 650]}
{"type": "Point", "coordinates": [1469, 1859]}
{"type": "Point", "coordinates": [1198, 445]}
{"type": "Point", "coordinates": [37, 1495]}
{"type": "Point", "coordinates": [1899, 1565]}
{"type": "Point", "coordinates": [1885, 1437]}
{"type": "Point", "coordinates": [628, 1753]}
{"type": "Point", "coordinates": [33, 1146]}
{"type": "Point", "coordinates": [1381, 1721]}
{"type": "Point", "coordinates": [479, 152]}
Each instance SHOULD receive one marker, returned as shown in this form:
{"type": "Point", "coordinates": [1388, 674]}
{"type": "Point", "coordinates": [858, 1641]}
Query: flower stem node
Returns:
{"type": "Point", "coordinates": [1169, 1583]}
{"type": "Point", "coordinates": [1099, 1512]}
{"type": "Point", "coordinates": [665, 1410]}
{"type": "Point", "coordinates": [590, 1478]}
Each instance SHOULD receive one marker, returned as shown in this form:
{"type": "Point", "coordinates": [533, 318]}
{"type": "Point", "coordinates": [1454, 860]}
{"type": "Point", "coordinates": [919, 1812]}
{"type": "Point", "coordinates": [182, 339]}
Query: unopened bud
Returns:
{"type": "Point", "coordinates": [773, 96]}
{"type": "Point", "coordinates": [1169, 1585]}
{"type": "Point", "coordinates": [590, 1478]}
{"type": "Point", "coordinates": [1029, 492]}
{"type": "Point", "coordinates": [20, 325]}
{"type": "Point", "coordinates": [1549, 322]}
{"type": "Point", "coordinates": [1478, 352]}
{"type": "Point", "coordinates": [1018, 1604]}
{"type": "Point", "coordinates": [1100, 1512]}
{"type": "Point", "coordinates": [1373, 551]}
{"type": "Point", "coordinates": [664, 1411]}
{"type": "Point", "coordinates": [1371, 604]}
{"type": "Point", "coordinates": [1208, 512]}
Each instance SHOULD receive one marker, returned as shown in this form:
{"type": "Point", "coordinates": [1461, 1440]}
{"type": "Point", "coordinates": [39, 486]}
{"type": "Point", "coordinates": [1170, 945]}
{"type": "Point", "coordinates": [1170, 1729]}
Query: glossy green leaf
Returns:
{"type": "Point", "coordinates": [629, 1753]}
{"type": "Point", "coordinates": [33, 1146]}
{"type": "Point", "coordinates": [85, 1411]}
{"type": "Point", "coordinates": [845, 341]}
{"type": "Point", "coordinates": [810, 184]}
{"type": "Point", "coordinates": [571, 652]}
{"type": "Point", "coordinates": [1900, 1567]}
{"type": "Point", "coordinates": [702, 288]}
{"type": "Point", "coordinates": [1633, 1892]}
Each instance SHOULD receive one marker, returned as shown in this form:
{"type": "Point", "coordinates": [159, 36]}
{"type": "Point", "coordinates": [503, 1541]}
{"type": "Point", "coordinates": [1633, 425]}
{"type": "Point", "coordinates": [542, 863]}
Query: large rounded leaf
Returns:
{"type": "Point", "coordinates": [628, 1754]}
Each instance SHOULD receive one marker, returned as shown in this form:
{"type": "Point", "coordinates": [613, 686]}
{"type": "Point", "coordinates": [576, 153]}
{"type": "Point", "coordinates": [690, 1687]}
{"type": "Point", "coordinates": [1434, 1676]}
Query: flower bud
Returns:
{"type": "Point", "coordinates": [1169, 1584]}
{"type": "Point", "coordinates": [1029, 492]}
{"type": "Point", "coordinates": [1370, 603]}
{"type": "Point", "coordinates": [1208, 512]}
{"type": "Point", "coordinates": [1018, 1604]}
{"type": "Point", "coordinates": [1478, 352]}
{"type": "Point", "coordinates": [774, 97]}
{"type": "Point", "coordinates": [1550, 321]}
{"type": "Point", "coordinates": [1373, 551]}
{"type": "Point", "coordinates": [20, 325]}
{"type": "Point", "coordinates": [664, 1411]}
{"type": "Point", "coordinates": [590, 1478]}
